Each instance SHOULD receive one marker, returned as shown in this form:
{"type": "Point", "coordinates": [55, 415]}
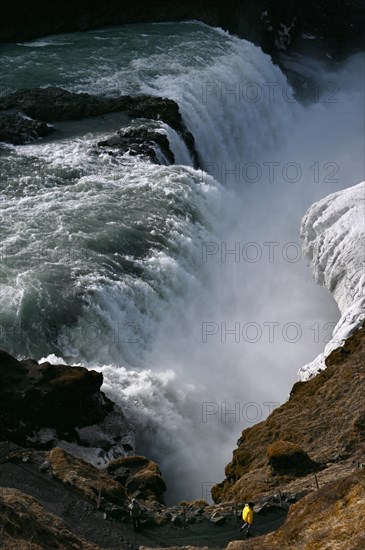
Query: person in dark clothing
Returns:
{"type": "Point", "coordinates": [135, 513]}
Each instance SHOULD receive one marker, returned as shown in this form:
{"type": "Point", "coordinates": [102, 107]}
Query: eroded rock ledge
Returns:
{"type": "Point", "coordinates": [24, 114]}
{"type": "Point", "coordinates": [44, 405]}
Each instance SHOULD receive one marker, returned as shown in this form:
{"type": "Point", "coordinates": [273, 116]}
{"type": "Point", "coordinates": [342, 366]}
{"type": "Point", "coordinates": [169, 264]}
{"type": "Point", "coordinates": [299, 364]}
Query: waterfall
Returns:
{"type": "Point", "coordinates": [185, 287]}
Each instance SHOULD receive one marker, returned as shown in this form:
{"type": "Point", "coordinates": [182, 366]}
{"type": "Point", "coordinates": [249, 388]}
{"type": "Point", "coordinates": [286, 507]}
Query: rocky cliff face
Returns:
{"type": "Point", "coordinates": [332, 26]}
{"type": "Point", "coordinates": [323, 421]}
{"type": "Point", "coordinates": [44, 405]}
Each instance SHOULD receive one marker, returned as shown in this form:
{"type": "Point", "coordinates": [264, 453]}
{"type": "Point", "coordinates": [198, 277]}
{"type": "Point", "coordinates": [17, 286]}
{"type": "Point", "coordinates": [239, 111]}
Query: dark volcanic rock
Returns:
{"type": "Point", "coordinates": [43, 404]}
{"type": "Point", "coordinates": [155, 108]}
{"type": "Point", "coordinates": [17, 128]}
{"type": "Point", "coordinates": [50, 395]}
{"type": "Point", "coordinates": [142, 142]}
{"type": "Point", "coordinates": [55, 104]}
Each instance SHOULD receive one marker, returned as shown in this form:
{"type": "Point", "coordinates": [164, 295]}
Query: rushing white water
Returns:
{"type": "Point", "coordinates": [125, 266]}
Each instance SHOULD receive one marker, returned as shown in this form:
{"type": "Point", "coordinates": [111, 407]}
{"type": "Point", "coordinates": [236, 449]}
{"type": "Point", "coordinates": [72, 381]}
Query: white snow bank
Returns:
{"type": "Point", "coordinates": [334, 243]}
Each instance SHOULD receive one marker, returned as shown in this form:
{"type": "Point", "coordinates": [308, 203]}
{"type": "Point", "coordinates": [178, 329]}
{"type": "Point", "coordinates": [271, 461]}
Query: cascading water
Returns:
{"type": "Point", "coordinates": [140, 270]}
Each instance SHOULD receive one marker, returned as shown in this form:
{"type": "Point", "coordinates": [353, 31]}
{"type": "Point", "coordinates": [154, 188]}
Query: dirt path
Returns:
{"type": "Point", "coordinates": [82, 518]}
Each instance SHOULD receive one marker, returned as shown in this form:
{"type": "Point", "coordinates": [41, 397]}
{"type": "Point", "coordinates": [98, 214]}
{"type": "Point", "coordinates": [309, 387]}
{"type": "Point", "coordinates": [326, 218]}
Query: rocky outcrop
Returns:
{"type": "Point", "coordinates": [143, 142]}
{"type": "Point", "coordinates": [324, 417]}
{"type": "Point", "coordinates": [83, 478]}
{"type": "Point", "coordinates": [44, 405]}
{"type": "Point", "coordinates": [141, 478]}
{"type": "Point", "coordinates": [17, 128]}
{"type": "Point", "coordinates": [56, 104]}
{"type": "Point", "coordinates": [53, 104]}
{"type": "Point", "coordinates": [332, 26]}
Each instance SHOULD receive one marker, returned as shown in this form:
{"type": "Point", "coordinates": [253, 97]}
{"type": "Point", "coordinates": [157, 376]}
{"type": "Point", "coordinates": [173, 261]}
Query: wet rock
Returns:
{"type": "Point", "coordinates": [18, 128]}
{"type": "Point", "coordinates": [57, 104]}
{"type": "Point", "coordinates": [154, 108]}
{"type": "Point", "coordinates": [44, 405]}
{"type": "Point", "coordinates": [49, 395]}
{"type": "Point", "coordinates": [144, 142]}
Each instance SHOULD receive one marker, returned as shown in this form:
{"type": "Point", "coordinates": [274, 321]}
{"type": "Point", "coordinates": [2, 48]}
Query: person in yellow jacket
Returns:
{"type": "Point", "coordinates": [247, 516]}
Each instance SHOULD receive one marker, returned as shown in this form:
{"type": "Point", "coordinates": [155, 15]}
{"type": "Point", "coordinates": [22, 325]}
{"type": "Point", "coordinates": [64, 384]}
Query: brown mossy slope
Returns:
{"type": "Point", "coordinates": [141, 477]}
{"type": "Point", "coordinates": [85, 478]}
{"type": "Point", "coordinates": [330, 519]}
{"type": "Point", "coordinates": [122, 479]}
{"type": "Point", "coordinates": [25, 524]}
{"type": "Point", "coordinates": [324, 416]}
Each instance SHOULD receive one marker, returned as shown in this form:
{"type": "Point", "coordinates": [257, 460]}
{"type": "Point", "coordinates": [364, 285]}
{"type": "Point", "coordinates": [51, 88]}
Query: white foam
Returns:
{"type": "Point", "coordinates": [42, 43]}
{"type": "Point", "coordinates": [53, 360]}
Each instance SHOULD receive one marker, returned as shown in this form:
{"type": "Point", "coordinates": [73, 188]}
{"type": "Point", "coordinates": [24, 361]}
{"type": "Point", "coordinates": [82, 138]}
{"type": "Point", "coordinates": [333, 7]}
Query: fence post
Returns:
{"type": "Point", "coordinates": [315, 477]}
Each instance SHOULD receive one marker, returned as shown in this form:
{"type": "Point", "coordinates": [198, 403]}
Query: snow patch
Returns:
{"type": "Point", "coordinates": [333, 233]}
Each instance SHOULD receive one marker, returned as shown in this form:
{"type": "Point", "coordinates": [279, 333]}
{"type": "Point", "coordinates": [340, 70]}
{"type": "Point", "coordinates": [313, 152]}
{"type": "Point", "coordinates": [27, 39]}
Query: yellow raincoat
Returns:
{"type": "Point", "coordinates": [247, 514]}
